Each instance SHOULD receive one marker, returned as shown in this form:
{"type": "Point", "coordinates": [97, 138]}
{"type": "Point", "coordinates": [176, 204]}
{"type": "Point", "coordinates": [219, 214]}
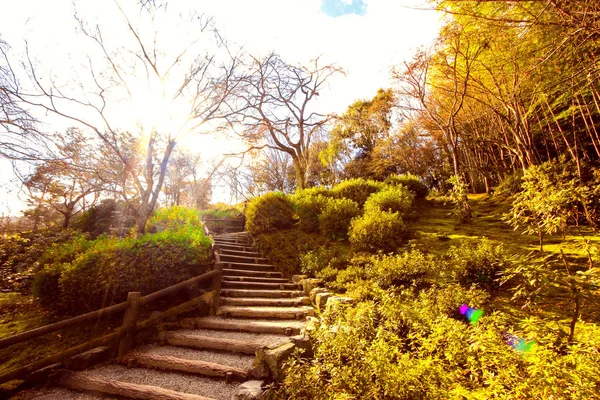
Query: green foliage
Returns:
{"type": "Point", "coordinates": [412, 345]}
{"type": "Point", "coordinates": [222, 210]}
{"type": "Point", "coordinates": [312, 192]}
{"type": "Point", "coordinates": [550, 197]}
{"type": "Point", "coordinates": [458, 197]}
{"type": "Point", "coordinates": [334, 255]}
{"type": "Point", "coordinates": [174, 218]}
{"type": "Point", "coordinates": [357, 190]}
{"type": "Point", "coordinates": [98, 219]}
{"type": "Point", "coordinates": [479, 263]}
{"type": "Point", "coordinates": [411, 182]}
{"type": "Point", "coordinates": [286, 248]}
{"type": "Point", "coordinates": [336, 216]}
{"type": "Point", "coordinates": [378, 231]}
{"type": "Point", "coordinates": [268, 212]}
{"type": "Point", "coordinates": [510, 186]}
{"type": "Point", "coordinates": [308, 209]}
{"type": "Point", "coordinates": [390, 199]}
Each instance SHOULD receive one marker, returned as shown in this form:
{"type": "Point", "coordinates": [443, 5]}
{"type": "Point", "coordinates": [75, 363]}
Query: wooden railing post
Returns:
{"type": "Point", "coordinates": [216, 287]}
{"type": "Point", "coordinates": [129, 322]}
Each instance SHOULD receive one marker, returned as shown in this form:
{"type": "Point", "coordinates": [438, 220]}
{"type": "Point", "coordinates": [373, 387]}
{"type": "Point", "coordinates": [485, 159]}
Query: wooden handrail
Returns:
{"type": "Point", "coordinates": [103, 312]}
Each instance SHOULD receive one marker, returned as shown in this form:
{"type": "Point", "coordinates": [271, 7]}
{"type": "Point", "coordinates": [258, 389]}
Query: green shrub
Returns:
{"type": "Point", "coordinates": [269, 212]}
{"type": "Point", "coordinates": [222, 210]}
{"type": "Point", "coordinates": [336, 216]}
{"type": "Point", "coordinates": [286, 248]}
{"type": "Point", "coordinates": [408, 268]}
{"type": "Point", "coordinates": [98, 220]}
{"type": "Point", "coordinates": [411, 182]}
{"type": "Point", "coordinates": [390, 199]}
{"type": "Point", "coordinates": [357, 189]}
{"type": "Point", "coordinates": [378, 231]}
{"type": "Point", "coordinates": [313, 191]}
{"type": "Point", "coordinates": [510, 186]}
{"type": "Point", "coordinates": [174, 218]}
{"type": "Point", "coordinates": [334, 255]}
{"type": "Point", "coordinates": [477, 263]}
{"type": "Point", "coordinates": [308, 209]}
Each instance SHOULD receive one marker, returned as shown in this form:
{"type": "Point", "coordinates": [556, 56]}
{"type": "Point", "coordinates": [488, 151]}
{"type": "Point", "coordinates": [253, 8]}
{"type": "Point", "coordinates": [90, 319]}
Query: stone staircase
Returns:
{"type": "Point", "coordinates": [259, 312]}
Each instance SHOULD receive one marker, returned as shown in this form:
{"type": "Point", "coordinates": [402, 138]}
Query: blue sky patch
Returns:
{"type": "Point", "coordinates": [337, 8]}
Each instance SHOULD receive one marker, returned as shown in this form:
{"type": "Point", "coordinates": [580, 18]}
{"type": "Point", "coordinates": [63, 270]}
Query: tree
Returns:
{"type": "Point", "coordinates": [358, 132]}
{"type": "Point", "coordinates": [275, 108]}
{"type": "Point", "coordinates": [172, 88]}
{"type": "Point", "coordinates": [68, 182]}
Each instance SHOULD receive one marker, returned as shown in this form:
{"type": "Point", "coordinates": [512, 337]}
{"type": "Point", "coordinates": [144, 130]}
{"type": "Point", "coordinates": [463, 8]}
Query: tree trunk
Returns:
{"type": "Point", "coordinates": [300, 174]}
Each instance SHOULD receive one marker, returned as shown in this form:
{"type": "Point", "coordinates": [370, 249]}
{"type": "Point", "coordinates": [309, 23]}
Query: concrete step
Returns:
{"type": "Point", "coordinates": [197, 362]}
{"type": "Point", "coordinates": [213, 343]}
{"type": "Point", "coordinates": [242, 259]}
{"type": "Point", "coordinates": [246, 272]}
{"type": "Point", "coordinates": [251, 254]}
{"type": "Point", "coordinates": [266, 312]}
{"type": "Point", "coordinates": [227, 284]}
{"type": "Point", "coordinates": [254, 301]}
{"type": "Point", "coordinates": [260, 293]}
{"type": "Point", "coordinates": [268, 340]}
{"type": "Point", "coordinates": [289, 327]}
{"type": "Point", "coordinates": [248, 266]}
{"type": "Point", "coordinates": [236, 278]}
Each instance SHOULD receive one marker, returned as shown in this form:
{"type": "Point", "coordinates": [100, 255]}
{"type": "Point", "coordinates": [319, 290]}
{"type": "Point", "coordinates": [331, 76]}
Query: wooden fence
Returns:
{"type": "Point", "coordinates": [123, 335]}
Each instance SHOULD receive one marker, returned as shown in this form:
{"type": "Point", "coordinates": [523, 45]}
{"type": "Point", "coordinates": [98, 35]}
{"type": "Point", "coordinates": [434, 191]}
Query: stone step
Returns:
{"type": "Point", "coordinates": [210, 342]}
{"type": "Point", "coordinates": [241, 242]}
{"type": "Point", "coordinates": [85, 382]}
{"type": "Point", "coordinates": [254, 301]}
{"type": "Point", "coordinates": [182, 360]}
{"type": "Point", "coordinates": [260, 293]}
{"type": "Point", "coordinates": [265, 312]}
{"type": "Point", "coordinates": [248, 266]}
{"type": "Point", "coordinates": [251, 254]}
{"type": "Point", "coordinates": [238, 247]}
{"type": "Point", "coordinates": [236, 278]}
{"type": "Point", "coordinates": [288, 327]}
{"type": "Point", "coordinates": [176, 381]}
{"type": "Point", "coordinates": [242, 259]}
{"type": "Point", "coordinates": [247, 272]}
{"type": "Point", "coordinates": [58, 393]}
{"type": "Point", "coordinates": [227, 284]}
{"type": "Point", "coordinates": [268, 340]}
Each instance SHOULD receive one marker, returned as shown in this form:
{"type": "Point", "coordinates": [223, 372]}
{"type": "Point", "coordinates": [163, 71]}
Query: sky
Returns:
{"type": "Point", "coordinates": [364, 37]}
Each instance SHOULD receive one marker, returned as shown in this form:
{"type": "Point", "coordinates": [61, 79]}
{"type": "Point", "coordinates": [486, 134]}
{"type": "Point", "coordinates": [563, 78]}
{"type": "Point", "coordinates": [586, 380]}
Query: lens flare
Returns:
{"type": "Point", "coordinates": [519, 344]}
{"type": "Point", "coordinates": [472, 314]}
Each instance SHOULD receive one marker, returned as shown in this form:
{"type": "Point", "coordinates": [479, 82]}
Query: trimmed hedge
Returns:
{"type": "Point", "coordinates": [391, 199]}
{"type": "Point", "coordinates": [412, 183]}
{"type": "Point", "coordinates": [308, 209]}
{"type": "Point", "coordinates": [378, 231]}
{"type": "Point", "coordinates": [336, 216]}
{"type": "Point", "coordinates": [268, 212]}
{"type": "Point", "coordinates": [357, 190]}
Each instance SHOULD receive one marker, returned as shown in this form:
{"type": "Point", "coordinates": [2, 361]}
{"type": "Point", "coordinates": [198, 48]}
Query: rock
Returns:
{"type": "Point", "coordinates": [321, 300]}
{"type": "Point", "coordinates": [299, 278]}
{"type": "Point", "coordinates": [274, 359]}
{"type": "Point", "coordinates": [309, 284]}
{"type": "Point", "coordinates": [250, 390]}
{"type": "Point", "coordinates": [335, 302]}
{"type": "Point", "coordinates": [313, 293]}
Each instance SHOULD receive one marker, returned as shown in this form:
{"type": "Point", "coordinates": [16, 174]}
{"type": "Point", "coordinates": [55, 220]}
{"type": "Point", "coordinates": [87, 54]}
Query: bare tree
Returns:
{"type": "Point", "coordinates": [194, 78]}
{"type": "Point", "coordinates": [275, 109]}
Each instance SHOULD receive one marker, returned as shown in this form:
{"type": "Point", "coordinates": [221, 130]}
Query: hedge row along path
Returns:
{"type": "Point", "coordinates": [258, 316]}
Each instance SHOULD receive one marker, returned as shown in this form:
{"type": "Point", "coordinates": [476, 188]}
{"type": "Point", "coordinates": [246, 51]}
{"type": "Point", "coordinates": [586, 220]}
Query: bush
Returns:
{"type": "Point", "coordinates": [510, 186]}
{"type": "Point", "coordinates": [408, 268]}
{"type": "Point", "coordinates": [336, 216]}
{"type": "Point", "coordinates": [357, 190]}
{"type": "Point", "coordinates": [477, 263]}
{"type": "Point", "coordinates": [308, 209]}
{"type": "Point", "coordinates": [105, 274]}
{"type": "Point", "coordinates": [333, 255]}
{"type": "Point", "coordinates": [391, 199]}
{"type": "Point", "coordinates": [98, 219]}
{"type": "Point", "coordinates": [174, 218]}
{"type": "Point", "coordinates": [377, 231]}
{"type": "Point", "coordinates": [313, 191]}
{"type": "Point", "coordinates": [286, 248]}
{"type": "Point", "coordinates": [411, 182]}
{"type": "Point", "coordinates": [269, 212]}
{"type": "Point", "coordinates": [222, 210]}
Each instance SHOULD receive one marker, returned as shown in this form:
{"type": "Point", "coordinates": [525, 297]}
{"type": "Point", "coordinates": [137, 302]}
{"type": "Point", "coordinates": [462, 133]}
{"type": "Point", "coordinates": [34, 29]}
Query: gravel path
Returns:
{"type": "Point", "coordinates": [180, 382]}
{"type": "Point", "coordinates": [241, 361]}
{"type": "Point", "coordinates": [56, 394]}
